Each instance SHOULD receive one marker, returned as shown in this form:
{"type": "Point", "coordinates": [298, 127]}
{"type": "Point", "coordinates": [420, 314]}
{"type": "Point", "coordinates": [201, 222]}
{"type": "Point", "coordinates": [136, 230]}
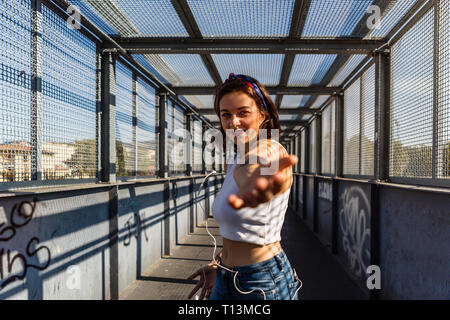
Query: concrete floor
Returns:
{"type": "Point", "coordinates": [322, 275]}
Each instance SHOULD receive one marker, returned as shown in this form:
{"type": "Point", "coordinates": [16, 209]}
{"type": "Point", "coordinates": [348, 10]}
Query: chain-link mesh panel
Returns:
{"type": "Point", "coordinates": [368, 122]}
{"type": "Point", "coordinates": [312, 147]}
{"type": "Point", "coordinates": [352, 102]}
{"type": "Point", "coordinates": [293, 101]}
{"type": "Point", "coordinates": [309, 69]}
{"type": "Point", "coordinates": [250, 64]}
{"type": "Point", "coordinates": [147, 143]}
{"type": "Point", "coordinates": [217, 18]}
{"type": "Point", "coordinates": [333, 137]}
{"type": "Point", "coordinates": [125, 146]}
{"type": "Point", "coordinates": [15, 90]}
{"type": "Point", "coordinates": [303, 151]}
{"type": "Point", "coordinates": [170, 136]}
{"type": "Point", "coordinates": [69, 132]}
{"type": "Point", "coordinates": [412, 101]}
{"type": "Point", "coordinates": [328, 139]}
{"type": "Point", "coordinates": [347, 69]}
{"type": "Point", "coordinates": [443, 105]}
{"type": "Point", "coordinates": [180, 137]}
{"type": "Point", "coordinates": [385, 25]}
{"type": "Point", "coordinates": [331, 18]}
{"type": "Point", "coordinates": [198, 139]}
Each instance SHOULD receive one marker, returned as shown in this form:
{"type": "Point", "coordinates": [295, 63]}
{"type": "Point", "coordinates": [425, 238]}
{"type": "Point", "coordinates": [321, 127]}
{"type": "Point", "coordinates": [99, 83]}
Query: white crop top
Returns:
{"type": "Point", "coordinates": [260, 225]}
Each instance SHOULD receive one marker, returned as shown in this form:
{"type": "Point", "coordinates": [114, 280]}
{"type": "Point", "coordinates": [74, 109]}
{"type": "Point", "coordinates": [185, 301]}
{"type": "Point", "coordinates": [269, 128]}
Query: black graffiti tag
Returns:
{"type": "Point", "coordinates": [21, 258]}
{"type": "Point", "coordinates": [18, 219]}
{"type": "Point", "coordinates": [21, 214]}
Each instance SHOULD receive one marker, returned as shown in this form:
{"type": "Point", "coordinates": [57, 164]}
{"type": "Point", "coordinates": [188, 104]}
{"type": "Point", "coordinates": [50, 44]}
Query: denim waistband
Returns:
{"type": "Point", "coordinates": [279, 259]}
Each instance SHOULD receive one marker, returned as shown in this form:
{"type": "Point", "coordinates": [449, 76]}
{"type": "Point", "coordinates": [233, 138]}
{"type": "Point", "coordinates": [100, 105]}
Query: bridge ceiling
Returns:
{"type": "Point", "coordinates": [301, 46]}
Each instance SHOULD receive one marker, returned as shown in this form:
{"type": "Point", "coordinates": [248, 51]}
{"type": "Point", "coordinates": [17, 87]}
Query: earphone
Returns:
{"type": "Point", "coordinates": [223, 267]}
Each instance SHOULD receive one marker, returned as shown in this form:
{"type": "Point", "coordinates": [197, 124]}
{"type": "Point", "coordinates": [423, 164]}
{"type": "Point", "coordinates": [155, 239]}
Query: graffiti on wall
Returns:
{"type": "Point", "coordinates": [14, 264]}
{"type": "Point", "coordinates": [354, 222]}
{"type": "Point", "coordinates": [325, 192]}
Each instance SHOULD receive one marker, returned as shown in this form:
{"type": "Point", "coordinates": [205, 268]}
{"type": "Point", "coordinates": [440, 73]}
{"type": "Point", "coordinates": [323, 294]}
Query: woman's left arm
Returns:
{"type": "Point", "coordinates": [255, 185]}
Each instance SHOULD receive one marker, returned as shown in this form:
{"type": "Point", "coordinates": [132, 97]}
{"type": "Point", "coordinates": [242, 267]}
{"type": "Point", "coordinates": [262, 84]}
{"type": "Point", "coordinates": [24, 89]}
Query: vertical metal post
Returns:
{"type": "Point", "coordinates": [163, 137]}
{"type": "Point", "coordinates": [108, 121]}
{"type": "Point", "coordinates": [134, 121]}
{"type": "Point", "coordinates": [307, 150]}
{"type": "Point", "coordinates": [339, 135]}
{"type": "Point", "coordinates": [36, 90]}
{"type": "Point", "coordinates": [382, 115]}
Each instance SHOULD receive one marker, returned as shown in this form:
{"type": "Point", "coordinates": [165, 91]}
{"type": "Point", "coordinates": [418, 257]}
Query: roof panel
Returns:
{"type": "Point", "coordinates": [351, 64]}
{"type": "Point", "coordinates": [293, 101]}
{"type": "Point", "coordinates": [331, 18]}
{"type": "Point", "coordinates": [398, 10]}
{"type": "Point", "coordinates": [246, 19]}
{"type": "Point", "coordinates": [309, 69]}
{"type": "Point", "coordinates": [90, 13]}
{"type": "Point", "coordinates": [189, 68]}
{"type": "Point", "coordinates": [201, 102]}
{"type": "Point", "coordinates": [319, 101]}
{"type": "Point", "coordinates": [283, 117]}
{"type": "Point", "coordinates": [266, 68]}
{"type": "Point", "coordinates": [149, 18]}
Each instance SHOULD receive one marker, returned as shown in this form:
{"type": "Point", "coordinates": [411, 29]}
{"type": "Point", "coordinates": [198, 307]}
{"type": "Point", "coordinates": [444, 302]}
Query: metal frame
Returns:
{"type": "Point", "coordinates": [281, 89]}
{"type": "Point", "coordinates": [187, 45]}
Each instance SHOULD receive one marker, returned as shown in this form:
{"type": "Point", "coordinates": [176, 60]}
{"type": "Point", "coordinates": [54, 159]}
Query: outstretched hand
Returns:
{"type": "Point", "coordinates": [257, 188]}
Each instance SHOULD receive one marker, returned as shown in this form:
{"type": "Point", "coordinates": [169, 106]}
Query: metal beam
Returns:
{"type": "Point", "coordinates": [301, 8]}
{"type": "Point", "coordinates": [273, 90]}
{"type": "Point", "coordinates": [292, 111]}
{"type": "Point", "coordinates": [152, 45]}
{"type": "Point", "coordinates": [188, 19]}
{"type": "Point", "coordinates": [360, 30]}
{"type": "Point", "coordinates": [293, 123]}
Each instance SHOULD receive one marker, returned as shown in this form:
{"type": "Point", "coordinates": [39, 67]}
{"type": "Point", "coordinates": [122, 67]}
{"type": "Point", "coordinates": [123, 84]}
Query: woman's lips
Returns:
{"type": "Point", "coordinates": [238, 132]}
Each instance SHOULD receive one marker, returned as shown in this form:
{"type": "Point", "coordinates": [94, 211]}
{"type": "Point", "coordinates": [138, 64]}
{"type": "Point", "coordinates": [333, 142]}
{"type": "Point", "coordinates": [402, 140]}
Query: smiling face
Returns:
{"type": "Point", "coordinates": [239, 112]}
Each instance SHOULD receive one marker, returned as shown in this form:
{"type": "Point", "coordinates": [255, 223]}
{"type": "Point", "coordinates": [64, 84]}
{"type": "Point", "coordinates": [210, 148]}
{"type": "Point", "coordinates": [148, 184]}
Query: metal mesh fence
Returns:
{"type": "Point", "coordinates": [217, 18]}
{"type": "Point", "coordinates": [411, 124]}
{"type": "Point", "coordinates": [312, 147]}
{"type": "Point", "coordinates": [443, 94]}
{"type": "Point", "coordinates": [125, 146]}
{"type": "Point", "coordinates": [179, 121]}
{"type": "Point", "coordinates": [352, 100]}
{"type": "Point", "coordinates": [328, 139]}
{"type": "Point", "coordinates": [69, 147]}
{"type": "Point", "coordinates": [170, 136]}
{"type": "Point", "coordinates": [147, 143]}
{"type": "Point", "coordinates": [15, 91]}
{"type": "Point", "coordinates": [367, 121]}
{"type": "Point", "coordinates": [198, 138]}
{"type": "Point", "coordinates": [326, 136]}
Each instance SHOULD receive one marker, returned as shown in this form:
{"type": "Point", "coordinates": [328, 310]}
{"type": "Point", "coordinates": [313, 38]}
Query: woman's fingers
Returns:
{"type": "Point", "coordinates": [235, 201]}
{"type": "Point", "coordinates": [264, 187]}
{"type": "Point", "coordinates": [286, 162]}
{"type": "Point", "coordinates": [198, 286]}
{"type": "Point", "coordinates": [195, 274]}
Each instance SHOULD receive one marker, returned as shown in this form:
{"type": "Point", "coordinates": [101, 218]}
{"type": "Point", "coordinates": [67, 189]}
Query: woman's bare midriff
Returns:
{"type": "Point", "coordinates": [237, 253]}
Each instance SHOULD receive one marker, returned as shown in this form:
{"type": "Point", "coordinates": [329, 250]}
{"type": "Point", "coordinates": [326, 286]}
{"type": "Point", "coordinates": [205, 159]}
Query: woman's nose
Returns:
{"type": "Point", "coordinates": [235, 121]}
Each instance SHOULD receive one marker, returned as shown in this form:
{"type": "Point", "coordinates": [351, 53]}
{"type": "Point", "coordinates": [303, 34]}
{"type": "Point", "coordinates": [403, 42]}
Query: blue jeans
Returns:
{"type": "Point", "coordinates": [272, 279]}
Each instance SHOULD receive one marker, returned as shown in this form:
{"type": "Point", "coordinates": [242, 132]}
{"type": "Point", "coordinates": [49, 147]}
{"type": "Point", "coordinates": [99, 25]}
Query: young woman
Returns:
{"type": "Point", "coordinates": [251, 204]}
